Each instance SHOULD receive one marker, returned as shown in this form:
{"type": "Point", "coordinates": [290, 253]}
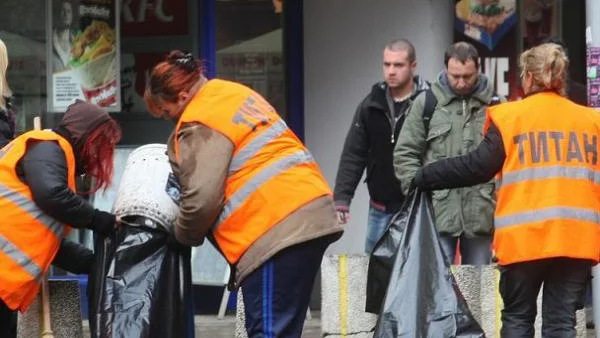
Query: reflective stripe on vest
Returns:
{"type": "Point", "coordinates": [20, 258]}
{"type": "Point", "coordinates": [545, 214]}
{"type": "Point", "coordinates": [33, 210]}
{"type": "Point", "coordinates": [246, 153]}
{"type": "Point", "coordinates": [549, 172]}
{"type": "Point", "coordinates": [238, 198]}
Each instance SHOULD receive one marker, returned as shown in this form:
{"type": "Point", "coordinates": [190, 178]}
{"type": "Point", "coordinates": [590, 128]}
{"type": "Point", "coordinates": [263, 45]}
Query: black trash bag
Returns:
{"type": "Point", "coordinates": [382, 259]}
{"type": "Point", "coordinates": [140, 286]}
{"type": "Point", "coordinates": [423, 299]}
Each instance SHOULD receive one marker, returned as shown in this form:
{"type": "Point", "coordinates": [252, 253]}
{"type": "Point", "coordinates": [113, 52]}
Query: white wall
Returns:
{"type": "Point", "coordinates": [343, 44]}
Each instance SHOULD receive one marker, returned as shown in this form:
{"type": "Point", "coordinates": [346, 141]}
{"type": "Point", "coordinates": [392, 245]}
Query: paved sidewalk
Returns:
{"type": "Point", "coordinates": [211, 326]}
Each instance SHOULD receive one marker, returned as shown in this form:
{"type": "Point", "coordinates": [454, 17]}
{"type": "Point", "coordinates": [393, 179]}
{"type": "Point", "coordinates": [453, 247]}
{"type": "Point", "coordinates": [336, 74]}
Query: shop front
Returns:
{"type": "Point", "coordinates": [102, 51]}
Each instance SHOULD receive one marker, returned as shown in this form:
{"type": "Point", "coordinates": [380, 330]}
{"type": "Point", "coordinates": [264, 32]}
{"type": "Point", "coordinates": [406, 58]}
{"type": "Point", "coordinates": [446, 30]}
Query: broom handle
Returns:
{"type": "Point", "coordinates": [46, 325]}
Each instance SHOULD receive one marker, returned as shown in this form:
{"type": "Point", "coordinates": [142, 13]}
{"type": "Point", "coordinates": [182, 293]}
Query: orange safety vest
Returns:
{"type": "Point", "coordinates": [548, 191]}
{"type": "Point", "coordinates": [29, 238]}
{"type": "Point", "coordinates": [271, 173]}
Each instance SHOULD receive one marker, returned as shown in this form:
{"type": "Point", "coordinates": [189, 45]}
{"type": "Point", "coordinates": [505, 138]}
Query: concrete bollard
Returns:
{"type": "Point", "coordinates": [240, 319]}
{"type": "Point", "coordinates": [343, 285]}
{"type": "Point", "coordinates": [65, 312]}
{"type": "Point", "coordinates": [344, 280]}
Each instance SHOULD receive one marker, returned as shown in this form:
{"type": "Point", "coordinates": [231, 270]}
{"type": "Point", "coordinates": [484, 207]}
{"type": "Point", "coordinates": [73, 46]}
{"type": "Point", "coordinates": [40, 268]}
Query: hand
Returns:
{"type": "Point", "coordinates": [343, 215]}
{"type": "Point", "coordinates": [104, 223]}
{"type": "Point", "coordinates": [175, 245]}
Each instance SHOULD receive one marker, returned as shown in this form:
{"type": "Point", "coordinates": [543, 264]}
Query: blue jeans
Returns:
{"type": "Point", "coordinates": [376, 224]}
{"type": "Point", "coordinates": [473, 251]}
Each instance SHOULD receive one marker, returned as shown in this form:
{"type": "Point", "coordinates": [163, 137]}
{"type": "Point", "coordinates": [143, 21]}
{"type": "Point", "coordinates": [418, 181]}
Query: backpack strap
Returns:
{"type": "Point", "coordinates": [428, 109]}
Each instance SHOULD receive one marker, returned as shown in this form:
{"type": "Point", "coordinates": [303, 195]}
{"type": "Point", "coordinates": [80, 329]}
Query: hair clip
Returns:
{"type": "Point", "coordinates": [187, 61]}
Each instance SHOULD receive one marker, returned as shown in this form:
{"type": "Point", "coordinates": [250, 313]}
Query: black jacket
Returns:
{"type": "Point", "coordinates": [476, 167]}
{"type": "Point", "coordinates": [7, 124]}
{"type": "Point", "coordinates": [370, 144]}
{"type": "Point", "coordinates": [44, 170]}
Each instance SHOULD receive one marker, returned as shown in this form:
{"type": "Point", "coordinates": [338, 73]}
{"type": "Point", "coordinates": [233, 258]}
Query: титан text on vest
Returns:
{"type": "Point", "coordinates": [547, 146]}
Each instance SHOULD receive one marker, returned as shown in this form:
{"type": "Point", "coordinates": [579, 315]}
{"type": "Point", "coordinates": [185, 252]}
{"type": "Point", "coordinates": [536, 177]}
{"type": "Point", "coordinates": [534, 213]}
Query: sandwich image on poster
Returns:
{"type": "Point", "coordinates": [485, 21]}
{"type": "Point", "coordinates": [84, 50]}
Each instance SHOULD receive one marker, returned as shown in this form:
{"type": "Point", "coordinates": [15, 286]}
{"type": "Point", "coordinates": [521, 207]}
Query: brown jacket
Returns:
{"type": "Point", "coordinates": [206, 155]}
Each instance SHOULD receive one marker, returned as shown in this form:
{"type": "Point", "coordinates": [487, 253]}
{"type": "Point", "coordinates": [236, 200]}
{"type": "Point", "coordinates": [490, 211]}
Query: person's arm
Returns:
{"type": "Point", "coordinates": [202, 169]}
{"type": "Point", "coordinates": [45, 171]}
{"type": "Point", "coordinates": [411, 146]}
{"type": "Point", "coordinates": [476, 167]}
{"type": "Point", "coordinates": [352, 162]}
{"type": "Point", "coordinates": [74, 258]}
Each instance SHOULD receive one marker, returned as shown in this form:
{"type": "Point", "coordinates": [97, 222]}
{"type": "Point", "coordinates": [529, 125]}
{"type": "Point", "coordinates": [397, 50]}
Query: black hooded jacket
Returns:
{"type": "Point", "coordinates": [44, 170]}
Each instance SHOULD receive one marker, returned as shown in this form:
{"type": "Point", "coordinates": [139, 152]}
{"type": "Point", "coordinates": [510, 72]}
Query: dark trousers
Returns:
{"type": "Point", "coordinates": [564, 281]}
{"type": "Point", "coordinates": [277, 294]}
{"type": "Point", "coordinates": [8, 321]}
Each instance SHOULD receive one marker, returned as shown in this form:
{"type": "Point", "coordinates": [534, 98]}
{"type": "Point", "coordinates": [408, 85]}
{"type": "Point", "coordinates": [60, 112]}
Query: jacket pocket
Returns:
{"type": "Point", "coordinates": [480, 208]}
{"type": "Point", "coordinates": [442, 211]}
{"type": "Point", "coordinates": [473, 133]}
{"type": "Point", "coordinates": [437, 141]}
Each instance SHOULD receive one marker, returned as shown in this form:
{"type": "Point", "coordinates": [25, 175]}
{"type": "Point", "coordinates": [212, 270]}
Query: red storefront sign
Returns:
{"type": "Point", "coordinates": [154, 17]}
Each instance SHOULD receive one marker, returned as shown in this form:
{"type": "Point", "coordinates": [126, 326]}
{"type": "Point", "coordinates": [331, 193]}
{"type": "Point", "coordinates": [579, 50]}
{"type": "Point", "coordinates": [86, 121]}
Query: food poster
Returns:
{"type": "Point", "coordinates": [83, 50]}
{"type": "Point", "coordinates": [491, 26]}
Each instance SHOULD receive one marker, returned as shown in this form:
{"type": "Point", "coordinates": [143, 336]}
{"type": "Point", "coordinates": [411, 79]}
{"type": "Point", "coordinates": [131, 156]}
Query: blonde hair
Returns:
{"type": "Point", "coordinates": [4, 88]}
{"type": "Point", "coordinates": [549, 65]}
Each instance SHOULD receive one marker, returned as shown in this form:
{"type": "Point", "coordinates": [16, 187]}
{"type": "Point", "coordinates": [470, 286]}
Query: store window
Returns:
{"type": "Point", "coordinates": [249, 44]}
{"type": "Point", "coordinates": [22, 28]}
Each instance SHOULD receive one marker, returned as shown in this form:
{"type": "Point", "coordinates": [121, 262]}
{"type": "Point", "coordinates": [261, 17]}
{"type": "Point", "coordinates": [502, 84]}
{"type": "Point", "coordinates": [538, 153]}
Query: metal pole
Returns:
{"type": "Point", "coordinates": [592, 32]}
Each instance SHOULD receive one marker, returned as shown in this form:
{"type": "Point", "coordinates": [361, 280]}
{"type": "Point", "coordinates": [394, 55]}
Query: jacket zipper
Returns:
{"type": "Point", "coordinates": [394, 122]}
{"type": "Point", "coordinates": [393, 127]}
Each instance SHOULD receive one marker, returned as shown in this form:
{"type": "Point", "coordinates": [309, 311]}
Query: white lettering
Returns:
{"type": "Point", "coordinates": [95, 11]}
{"type": "Point", "coordinates": [127, 13]}
{"type": "Point", "coordinates": [140, 8]}
{"type": "Point", "coordinates": [160, 13]}
{"type": "Point", "coordinates": [495, 69]}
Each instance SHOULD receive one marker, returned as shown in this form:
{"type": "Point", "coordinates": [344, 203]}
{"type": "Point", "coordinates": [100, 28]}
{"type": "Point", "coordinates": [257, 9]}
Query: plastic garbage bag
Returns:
{"type": "Point", "coordinates": [422, 298]}
{"type": "Point", "coordinates": [141, 284]}
{"type": "Point", "coordinates": [382, 260]}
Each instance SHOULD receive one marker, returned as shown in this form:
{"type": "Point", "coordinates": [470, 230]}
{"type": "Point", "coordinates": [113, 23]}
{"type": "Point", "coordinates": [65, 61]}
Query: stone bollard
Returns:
{"type": "Point", "coordinates": [240, 320]}
{"type": "Point", "coordinates": [65, 312]}
{"type": "Point", "coordinates": [343, 283]}
{"type": "Point", "coordinates": [344, 279]}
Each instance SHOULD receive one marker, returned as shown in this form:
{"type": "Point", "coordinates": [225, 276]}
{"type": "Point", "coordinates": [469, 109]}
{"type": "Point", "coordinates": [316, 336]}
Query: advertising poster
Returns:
{"type": "Point", "coordinates": [593, 76]}
{"type": "Point", "coordinates": [501, 30]}
{"type": "Point", "coordinates": [83, 53]}
{"type": "Point", "coordinates": [491, 26]}
{"type": "Point", "coordinates": [539, 21]}
{"type": "Point", "coordinates": [135, 72]}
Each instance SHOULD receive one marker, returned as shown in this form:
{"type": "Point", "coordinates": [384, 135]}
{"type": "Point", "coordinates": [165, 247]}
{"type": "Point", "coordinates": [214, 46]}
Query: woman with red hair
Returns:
{"type": "Point", "coordinates": [38, 199]}
{"type": "Point", "coordinates": [250, 186]}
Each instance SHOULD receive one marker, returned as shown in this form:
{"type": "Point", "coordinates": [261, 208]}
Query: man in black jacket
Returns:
{"type": "Point", "coordinates": [371, 139]}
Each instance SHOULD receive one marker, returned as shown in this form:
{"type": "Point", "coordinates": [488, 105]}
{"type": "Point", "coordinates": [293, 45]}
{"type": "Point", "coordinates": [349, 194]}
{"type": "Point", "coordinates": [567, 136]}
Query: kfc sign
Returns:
{"type": "Point", "coordinates": [154, 17]}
